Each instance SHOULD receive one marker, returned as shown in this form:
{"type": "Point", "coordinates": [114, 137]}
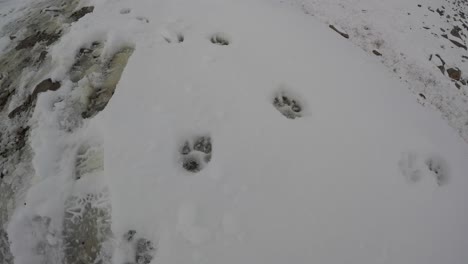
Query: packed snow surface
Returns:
{"type": "Point", "coordinates": [244, 131]}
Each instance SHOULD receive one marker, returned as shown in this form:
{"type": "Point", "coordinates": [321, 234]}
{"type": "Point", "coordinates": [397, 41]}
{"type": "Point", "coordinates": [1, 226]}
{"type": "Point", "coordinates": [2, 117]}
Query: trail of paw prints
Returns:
{"type": "Point", "coordinates": [173, 34]}
{"type": "Point", "coordinates": [196, 153]}
{"type": "Point", "coordinates": [143, 250]}
{"type": "Point", "coordinates": [415, 167]}
{"type": "Point", "coordinates": [288, 105]}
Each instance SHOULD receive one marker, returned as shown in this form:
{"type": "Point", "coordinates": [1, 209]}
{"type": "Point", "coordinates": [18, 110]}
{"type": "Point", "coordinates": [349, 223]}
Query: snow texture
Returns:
{"type": "Point", "coordinates": [308, 149]}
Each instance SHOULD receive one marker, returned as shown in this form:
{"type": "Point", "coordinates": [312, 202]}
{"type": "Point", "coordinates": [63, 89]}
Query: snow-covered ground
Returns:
{"type": "Point", "coordinates": [419, 41]}
{"type": "Point", "coordinates": [240, 131]}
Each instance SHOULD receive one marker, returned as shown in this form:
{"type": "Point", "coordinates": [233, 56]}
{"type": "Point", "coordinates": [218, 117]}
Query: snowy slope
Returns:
{"type": "Point", "coordinates": [419, 41]}
{"type": "Point", "coordinates": [361, 174]}
{"type": "Point", "coordinates": [322, 188]}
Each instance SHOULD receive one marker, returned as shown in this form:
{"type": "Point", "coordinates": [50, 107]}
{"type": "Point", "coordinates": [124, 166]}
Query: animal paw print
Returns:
{"type": "Point", "coordinates": [197, 154]}
{"type": "Point", "coordinates": [438, 168]}
{"type": "Point", "coordinates": [220, 39]}
{"type": "Point", "coordinates": [174, 38]}
{"type": "Point", "coordinates": [144, 248]}
{"type": "Point", "coordinates": [287, 106]}
{"type": "Point", "coordinates": [414, 167]}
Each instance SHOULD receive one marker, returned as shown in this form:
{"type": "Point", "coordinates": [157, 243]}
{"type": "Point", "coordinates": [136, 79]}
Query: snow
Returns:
{"type": "Point", "coordinates": [407, 33]}
{"type": "Point", "coordinates": [364, 174]}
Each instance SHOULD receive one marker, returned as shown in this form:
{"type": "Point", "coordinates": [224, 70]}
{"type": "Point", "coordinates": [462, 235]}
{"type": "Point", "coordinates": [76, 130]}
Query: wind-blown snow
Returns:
{"type": "Point", "coordinates": [364, 174]}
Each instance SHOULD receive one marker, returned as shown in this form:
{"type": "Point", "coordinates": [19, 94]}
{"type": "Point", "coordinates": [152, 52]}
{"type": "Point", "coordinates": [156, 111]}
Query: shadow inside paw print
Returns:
{"type": "Point", "coordinates": [144, 248]}
{"type": "Point", "coordinates": [220, 39]}
{"type": "Point", "coordinates": [287, 106]}
{"type": "Point", "coordinates": [177, 38]}
{"type": "Point", "coordinates": [438, 167]}
{"type": "Point", "coordinates": [415, 167]}
{"type": "Point", "coordinates": [196, 154]}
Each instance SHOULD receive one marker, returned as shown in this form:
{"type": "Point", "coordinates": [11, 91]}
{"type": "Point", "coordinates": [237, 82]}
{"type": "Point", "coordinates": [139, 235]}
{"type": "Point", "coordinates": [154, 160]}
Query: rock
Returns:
{"type": "Point", "coordinates": [454, 73]}
{"type": "Point", "coordinates": [41, 57]}
{"type": "Point", "coordinates": [377, 53]}
{"type": "Point", "coordinates": [4, 95]}
{"type": "Point", "coordinates": [23, 107]}
{"type": "Point", "coordinates": [456, 32]}
{"type": "Point", "coordinates": [441, 68]}
{"type": "Point", "coordinates": [44, 86]}
{"type": "Point", "coordinates": [342, 33]}
{"type": "Point", "coordinates": [440, 58]}
{"type": "Point", "coordinates": [81, 13]}
{"type": "Point", "coordinates": [18, 140]}
{"type": "Point", "coordinates": [422, 96]}
{"type": "Point", "coordinates": [458, 44]}
{"type": "Point", "coordinates": [41, 36]}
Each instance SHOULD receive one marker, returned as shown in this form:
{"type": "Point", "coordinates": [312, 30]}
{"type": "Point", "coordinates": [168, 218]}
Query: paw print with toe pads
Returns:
{"type": "Point", "coordinates": [196, 154]}
{"type": "Point", "coordinates": [287, 105]}
{"type": "Point", "coordinates": [144, 249]}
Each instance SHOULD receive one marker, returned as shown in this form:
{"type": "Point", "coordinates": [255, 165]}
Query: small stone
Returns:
{"type": "Point", "coordinates": [456, 32]}
{"type": "Point", "coordinates": [454, 73]}
{"type": "Point", "coordinates": [186, 148]}
{"type": "Point", "coordinates": [339, 32]}
{"type": "Point", "coordinates": [441, 68]}
{"type": "Point", "coordinates": [377, 53]}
